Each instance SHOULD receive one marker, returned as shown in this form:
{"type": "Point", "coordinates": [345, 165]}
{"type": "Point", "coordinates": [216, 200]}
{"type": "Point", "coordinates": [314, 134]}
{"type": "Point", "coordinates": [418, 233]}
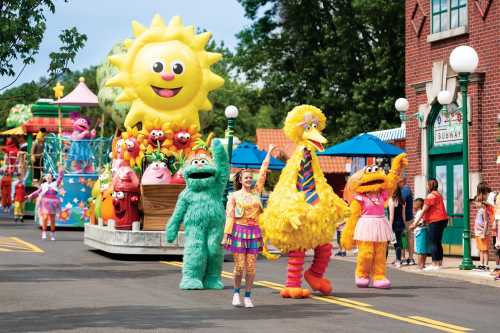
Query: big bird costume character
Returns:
{"type": "Point", "coordinates": [368, 190]}
{"type": "Point", "coordinates": [303, 210]}
{"type": "Point", "coordinates": [165, 73]}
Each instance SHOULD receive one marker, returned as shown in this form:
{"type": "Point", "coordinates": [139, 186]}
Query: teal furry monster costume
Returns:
{"type": "Point", "coordinates": [200, 208]}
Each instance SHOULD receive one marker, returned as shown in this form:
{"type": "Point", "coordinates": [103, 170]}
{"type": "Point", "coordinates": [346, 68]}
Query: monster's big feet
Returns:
{"type": "Point", "coordinates": [213, 282]}
{"type": "Point", "coordinates": [362, 282]}
{"type": "Point", "coordinates": [320, 284]}
{"type": "Point", "coordinates": [295, 292]}
{"type": "Point", "coordinates": [382, 284]}
{"type": "Point", "coordinates": [190, 283]}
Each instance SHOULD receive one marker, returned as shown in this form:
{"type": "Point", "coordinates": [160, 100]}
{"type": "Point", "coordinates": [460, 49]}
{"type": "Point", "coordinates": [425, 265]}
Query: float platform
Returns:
{"type": "Point", "coordinates": [114, 241]}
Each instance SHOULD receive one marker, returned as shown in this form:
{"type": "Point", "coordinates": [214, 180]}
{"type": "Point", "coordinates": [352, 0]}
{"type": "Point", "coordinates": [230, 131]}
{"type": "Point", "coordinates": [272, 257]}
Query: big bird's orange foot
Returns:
{"type": "Point", "coordinates": [291, 292]}
{"type": "Point", "coordinates": [320, 284]}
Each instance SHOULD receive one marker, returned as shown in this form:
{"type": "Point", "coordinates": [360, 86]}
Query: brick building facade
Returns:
{"type": "Point", "coordinates": [433, 28]}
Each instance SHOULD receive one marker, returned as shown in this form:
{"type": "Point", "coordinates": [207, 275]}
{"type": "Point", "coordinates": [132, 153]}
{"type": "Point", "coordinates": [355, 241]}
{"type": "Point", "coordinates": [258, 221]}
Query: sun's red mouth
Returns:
{"type": "Point", "coordinates": [317, 144]}
{"type": "Point", "coordinates": [166, 92]}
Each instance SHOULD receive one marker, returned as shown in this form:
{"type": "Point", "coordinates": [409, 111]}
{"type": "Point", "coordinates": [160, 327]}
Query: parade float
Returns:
{"type": "Point", "coordinates": [80, 153]}
{"type": "Point", "coordinates": [25, 123]}
{"type": "Point", "coordinates": [157, 83]}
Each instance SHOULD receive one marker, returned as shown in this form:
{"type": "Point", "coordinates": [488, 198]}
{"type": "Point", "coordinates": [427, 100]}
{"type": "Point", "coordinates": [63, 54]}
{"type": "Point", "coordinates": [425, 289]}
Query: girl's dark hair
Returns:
{"type": "Point", "coordinates": [483, 188]}
{"type": "Point", "coordinates": [237, 179]}
{"type": "Point", "coordinates": [419, 200]}
{"type": "Point", "coordinates": [433, 185]}
{"type": "Point", "coordinates": [398, 195]}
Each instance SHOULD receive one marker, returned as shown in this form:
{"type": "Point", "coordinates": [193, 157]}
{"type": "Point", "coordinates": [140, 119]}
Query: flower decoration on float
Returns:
{"type": "Point", "coordinates": [131, 147]}
{"type": "Point", "coordinates": [154, 136]}
{"type": "Point", "coordinates": [182, 138]}
{"type": "Point", "coordinates": [165, 73]}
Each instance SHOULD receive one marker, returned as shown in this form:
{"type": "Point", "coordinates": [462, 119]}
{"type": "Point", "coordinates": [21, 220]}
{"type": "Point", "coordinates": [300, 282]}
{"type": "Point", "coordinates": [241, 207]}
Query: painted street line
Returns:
{"type": "Point", "coordinates": [361, 306]}
{"type": "Point", "coordinates": [14, 244]}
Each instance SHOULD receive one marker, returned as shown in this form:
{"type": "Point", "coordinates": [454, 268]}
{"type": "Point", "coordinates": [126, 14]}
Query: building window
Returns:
{"type": "Point", "coordinates": [448, 14]}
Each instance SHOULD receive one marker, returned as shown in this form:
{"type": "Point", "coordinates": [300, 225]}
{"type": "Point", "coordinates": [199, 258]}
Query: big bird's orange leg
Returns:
{"type": "Point", "coordinates": [364, 263]}
{"type": "Point", "coordinates": [379, 266]}
{"type": "Point", "coordinates": [293, 287]}
{"type": "Point", "coordinates": [314, 275]}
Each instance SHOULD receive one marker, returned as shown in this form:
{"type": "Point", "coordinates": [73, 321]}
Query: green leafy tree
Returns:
{"type": "Point", "coordinates": [344, 56]}
{"type": "Point", "coordinates": [108, 95]}
{"type": "Point", "coordinates": [22, 27]}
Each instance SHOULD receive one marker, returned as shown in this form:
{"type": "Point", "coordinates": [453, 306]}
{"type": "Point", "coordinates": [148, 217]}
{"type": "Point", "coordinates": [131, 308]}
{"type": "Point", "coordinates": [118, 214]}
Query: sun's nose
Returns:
{"type": "Point", "coordinates": [168, 76]}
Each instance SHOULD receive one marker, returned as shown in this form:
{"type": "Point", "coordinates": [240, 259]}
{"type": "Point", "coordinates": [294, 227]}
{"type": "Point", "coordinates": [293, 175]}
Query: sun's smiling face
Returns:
{"type": "Point", "coordinates": [166, 75]}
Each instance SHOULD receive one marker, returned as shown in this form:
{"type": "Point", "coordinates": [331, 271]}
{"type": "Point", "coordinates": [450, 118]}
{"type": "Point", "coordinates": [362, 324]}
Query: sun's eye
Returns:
{"type": "Point", "coordinates": [158, 66]}
{"type": "Point", "coordinates": [369, 169]}
{"type": "Point", "coordinates": [177, 67]}
{"type": "Point", "coordinates": [375, 168]}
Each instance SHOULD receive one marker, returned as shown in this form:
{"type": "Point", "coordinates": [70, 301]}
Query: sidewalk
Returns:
{"type": "Point", "coordinates": [450, 270]}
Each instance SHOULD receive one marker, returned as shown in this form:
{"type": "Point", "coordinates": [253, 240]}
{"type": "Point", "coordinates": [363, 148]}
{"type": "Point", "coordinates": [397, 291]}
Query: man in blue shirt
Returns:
{"type": "Point", "coordinates": [408, 198]}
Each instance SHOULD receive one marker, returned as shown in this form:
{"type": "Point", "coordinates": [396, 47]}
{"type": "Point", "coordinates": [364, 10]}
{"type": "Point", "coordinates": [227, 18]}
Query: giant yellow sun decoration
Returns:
{"type": "Point", "coordinates": [165, 73]}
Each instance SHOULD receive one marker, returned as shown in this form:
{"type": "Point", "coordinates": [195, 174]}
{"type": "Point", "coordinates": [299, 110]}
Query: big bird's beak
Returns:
{"type": "Point", "coordinates": [314, 136]}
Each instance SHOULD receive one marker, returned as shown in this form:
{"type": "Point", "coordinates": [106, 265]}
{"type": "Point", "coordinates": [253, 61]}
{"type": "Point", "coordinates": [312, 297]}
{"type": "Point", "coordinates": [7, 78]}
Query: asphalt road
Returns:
{"type": "Point", "coordinates": [63, 286]}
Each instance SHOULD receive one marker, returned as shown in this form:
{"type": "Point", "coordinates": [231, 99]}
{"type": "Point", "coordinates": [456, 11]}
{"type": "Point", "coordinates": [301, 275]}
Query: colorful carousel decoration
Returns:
{"type": "Point", "coordinates": [80, 153]}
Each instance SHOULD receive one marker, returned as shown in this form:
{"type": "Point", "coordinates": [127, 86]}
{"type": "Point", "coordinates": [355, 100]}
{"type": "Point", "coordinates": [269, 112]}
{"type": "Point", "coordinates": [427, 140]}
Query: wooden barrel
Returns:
{"type": "Point", "coordinates": [158, 204]}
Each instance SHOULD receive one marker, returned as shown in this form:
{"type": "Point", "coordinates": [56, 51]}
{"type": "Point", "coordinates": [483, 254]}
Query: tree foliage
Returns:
{"type": "Point", "coordinates": [344, 56]}
{"type": "Point", "coordinates": [22, 27]}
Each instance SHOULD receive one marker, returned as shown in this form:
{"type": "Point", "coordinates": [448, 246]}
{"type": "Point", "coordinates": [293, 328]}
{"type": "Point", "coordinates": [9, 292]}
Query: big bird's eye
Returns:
{"type": "Point", "coordinates": [314, 125]}
{"type": "Point", "coordinates": [158, 67]}
{"type": "Point", "coordinates": [307, 127]}
{"type": "Point", "coordinates": [177, 67]}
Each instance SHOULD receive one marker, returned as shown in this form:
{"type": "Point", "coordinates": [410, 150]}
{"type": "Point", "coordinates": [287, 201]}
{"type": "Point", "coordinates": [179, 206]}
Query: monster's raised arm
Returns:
{"type": "Point", "coordinates": [222, 164]}
{"type": "Point", "coordinates": [399, 163]}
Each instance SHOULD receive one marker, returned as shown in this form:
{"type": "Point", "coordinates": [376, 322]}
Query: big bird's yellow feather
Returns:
{"type": "Point", "coordinates": [289, 222]}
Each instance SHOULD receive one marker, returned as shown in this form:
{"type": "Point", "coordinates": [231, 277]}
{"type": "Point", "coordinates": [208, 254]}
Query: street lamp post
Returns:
{"type": "Point", "coordinates": [402, 107]}
{"type": "Point", "coordinates": [231, 113]}
{"type": "Point", "coordinates": [464, 60]}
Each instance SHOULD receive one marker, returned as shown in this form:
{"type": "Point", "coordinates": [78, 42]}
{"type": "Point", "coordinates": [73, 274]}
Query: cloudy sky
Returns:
{"type": "Point", "coordinates": [107, 21]}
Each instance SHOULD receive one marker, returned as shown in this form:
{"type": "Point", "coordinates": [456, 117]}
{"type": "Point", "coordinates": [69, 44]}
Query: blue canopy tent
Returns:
{"type": "Point", "coordinates": [363, 145]}
{"type": "Point", "coordinates": [248, 156]}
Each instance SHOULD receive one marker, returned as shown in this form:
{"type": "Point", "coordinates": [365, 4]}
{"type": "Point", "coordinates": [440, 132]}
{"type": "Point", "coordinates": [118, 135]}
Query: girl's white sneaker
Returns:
{"type": "Point", "coordinates": [44, 235]}
{"type": "Point", "coordinates": [248, 302]}
{"type": "Point", "coordinates": [236, 299]}
{"type": "Point", "coordinates": [52, 236]}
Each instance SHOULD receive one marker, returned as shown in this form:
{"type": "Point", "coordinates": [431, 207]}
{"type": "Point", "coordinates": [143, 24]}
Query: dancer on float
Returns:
{"type": "Point", "coordinates": [242, 235]}
{"type": "Point", "coordinates": [49, 204]}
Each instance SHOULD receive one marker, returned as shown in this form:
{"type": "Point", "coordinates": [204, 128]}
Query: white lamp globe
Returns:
{"type": "Point", "coordinates": [464, 59]}
{"type": "Point", "coordinates": [445, 97]}
{"type": "Point", "coordinates": [231, 112]}
{"type": "Point", "coordinates": [402, 104]}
